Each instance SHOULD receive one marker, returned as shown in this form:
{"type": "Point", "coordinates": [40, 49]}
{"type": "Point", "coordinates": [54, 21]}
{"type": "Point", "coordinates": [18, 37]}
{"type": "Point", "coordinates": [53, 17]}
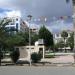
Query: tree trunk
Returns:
{"type": "Point", "coordinates": [65, 45]}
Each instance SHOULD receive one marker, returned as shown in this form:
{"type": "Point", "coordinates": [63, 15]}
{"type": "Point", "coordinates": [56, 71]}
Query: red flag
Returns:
{"type": "Point", "coordinates": [61, 17]}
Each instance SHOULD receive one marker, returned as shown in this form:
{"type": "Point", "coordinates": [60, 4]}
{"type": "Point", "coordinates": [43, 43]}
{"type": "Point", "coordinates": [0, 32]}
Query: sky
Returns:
{"type": "Point", "coordinates": [49, 9]}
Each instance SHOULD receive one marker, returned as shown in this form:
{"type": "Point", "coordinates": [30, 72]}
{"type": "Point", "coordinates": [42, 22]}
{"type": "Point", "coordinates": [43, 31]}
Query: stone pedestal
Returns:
{"type": "Point", "coordinates": [24, 54]}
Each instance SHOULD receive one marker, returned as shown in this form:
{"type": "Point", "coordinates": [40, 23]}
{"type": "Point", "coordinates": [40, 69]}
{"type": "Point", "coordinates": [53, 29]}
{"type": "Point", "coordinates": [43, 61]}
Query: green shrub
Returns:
{"type": "Point", "coordinates": [36, 57]}
{"type": "Point", "coordinates": [1, 55]}
{"type": "Point", "coordinates": [15, 55]}
{"type": "Point", "coordinates": [49, 56]}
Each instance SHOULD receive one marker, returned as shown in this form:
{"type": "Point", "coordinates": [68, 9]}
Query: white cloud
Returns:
{"type": "Point", "coordinates": [33, 6]}
{"type": "Point", "coordinates": [5, 4]}
{"type": "Point", "coordinates": [61, 25]}
{"type": "Point", "coordinates": [13, 13]}
{"type": "Point", "coordinates": [3, 14]}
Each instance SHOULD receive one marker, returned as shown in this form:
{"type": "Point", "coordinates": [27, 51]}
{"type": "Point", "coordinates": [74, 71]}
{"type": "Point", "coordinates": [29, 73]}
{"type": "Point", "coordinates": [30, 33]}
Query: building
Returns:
{"type": "Point", "coordinates": [24, 26]}
{"type": "Point", "coordinates": [34, 28]}
{"type": "Point", "coordinates": [58, 37]}
{"type": "Point", "coordinates": [16, 24]}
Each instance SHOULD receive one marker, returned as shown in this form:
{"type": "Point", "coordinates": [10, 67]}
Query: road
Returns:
{"type": "Point", "coordinates": [26, 70]}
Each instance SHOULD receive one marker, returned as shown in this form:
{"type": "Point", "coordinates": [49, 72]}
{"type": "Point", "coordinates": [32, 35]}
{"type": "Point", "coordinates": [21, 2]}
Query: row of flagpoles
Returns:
{"type": "Point", "coordinates": [52, 18]}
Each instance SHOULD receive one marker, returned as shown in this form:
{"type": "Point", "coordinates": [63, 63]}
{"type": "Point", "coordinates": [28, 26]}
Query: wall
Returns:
{"type": "Point", "coordinates": [25, 51]}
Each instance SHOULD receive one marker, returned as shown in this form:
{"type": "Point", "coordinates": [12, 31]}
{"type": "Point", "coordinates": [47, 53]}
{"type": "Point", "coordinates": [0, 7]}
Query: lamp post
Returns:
{"type": "Point", "coordinates": [29, 19]}
{"type": "Point", "coordinates": [74, 35]}
{"type": "Point", "coordinates": [74, 26]}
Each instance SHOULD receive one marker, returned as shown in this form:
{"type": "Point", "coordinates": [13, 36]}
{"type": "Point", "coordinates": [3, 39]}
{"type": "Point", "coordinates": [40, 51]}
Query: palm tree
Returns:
{"type": "Point", "coordinates": [64, 34]}
{"type": "Point", "coordinates": [3, 23]}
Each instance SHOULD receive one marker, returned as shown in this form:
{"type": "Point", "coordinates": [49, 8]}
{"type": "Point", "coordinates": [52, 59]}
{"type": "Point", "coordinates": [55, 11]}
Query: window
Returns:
{"type": "Point", "coordinates": [16, 25]}
{"type": "Point", "coordinates": [32, 48]}
{"type": "Point", "coordinates": [16, 19]}
{"type": "Point", "coordinates": [12, 28]}
{"type": "Point", "coordinates": [12, 22]}
{"type": "Point", "coordinates": [7, 28]}
{"type": "Point", "coordinates": [57, 35]}
{"type": "Point", "coordinates": [27, 48]}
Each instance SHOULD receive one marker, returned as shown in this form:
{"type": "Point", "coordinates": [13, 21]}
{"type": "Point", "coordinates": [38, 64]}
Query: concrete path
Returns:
{"type": "Point", "coordinates": [60, 59]}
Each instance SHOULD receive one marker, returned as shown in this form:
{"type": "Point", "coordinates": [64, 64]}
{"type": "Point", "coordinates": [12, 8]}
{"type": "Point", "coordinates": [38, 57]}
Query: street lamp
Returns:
{"type": "Point", "coordinates": [29, 19]}
{"type": "Point", "coordinates": [74, 26]}
{"type": "Point", "coordinates": [74, 35]}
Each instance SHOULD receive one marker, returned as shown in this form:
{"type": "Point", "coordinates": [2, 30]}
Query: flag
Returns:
{"type": "Point", "coordinates": [64, 17]}
{"type": "Point", "coordinates": [69, 17]}
{"type": "Point", "coordinates": [61, 17]}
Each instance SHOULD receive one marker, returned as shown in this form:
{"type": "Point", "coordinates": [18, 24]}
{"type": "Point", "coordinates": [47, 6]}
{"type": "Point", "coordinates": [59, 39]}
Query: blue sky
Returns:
{"type": "Point", "coordinates": [39, 8]}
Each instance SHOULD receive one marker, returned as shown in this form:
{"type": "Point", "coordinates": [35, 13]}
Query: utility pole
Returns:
{"type": "Point", "coordinates": [29, 19]}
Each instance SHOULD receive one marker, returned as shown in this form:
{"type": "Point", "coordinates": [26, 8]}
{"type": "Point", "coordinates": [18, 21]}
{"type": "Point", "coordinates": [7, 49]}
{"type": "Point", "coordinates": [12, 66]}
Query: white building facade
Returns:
{"type": "Point", "coordinates": [58, 37]}
{"type": "Point", "coordinates": [16, 24]}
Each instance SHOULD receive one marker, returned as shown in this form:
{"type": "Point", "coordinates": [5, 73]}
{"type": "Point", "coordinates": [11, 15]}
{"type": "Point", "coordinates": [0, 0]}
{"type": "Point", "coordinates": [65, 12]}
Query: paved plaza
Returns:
{"type": "Point", "coordinates": [61, 59]}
